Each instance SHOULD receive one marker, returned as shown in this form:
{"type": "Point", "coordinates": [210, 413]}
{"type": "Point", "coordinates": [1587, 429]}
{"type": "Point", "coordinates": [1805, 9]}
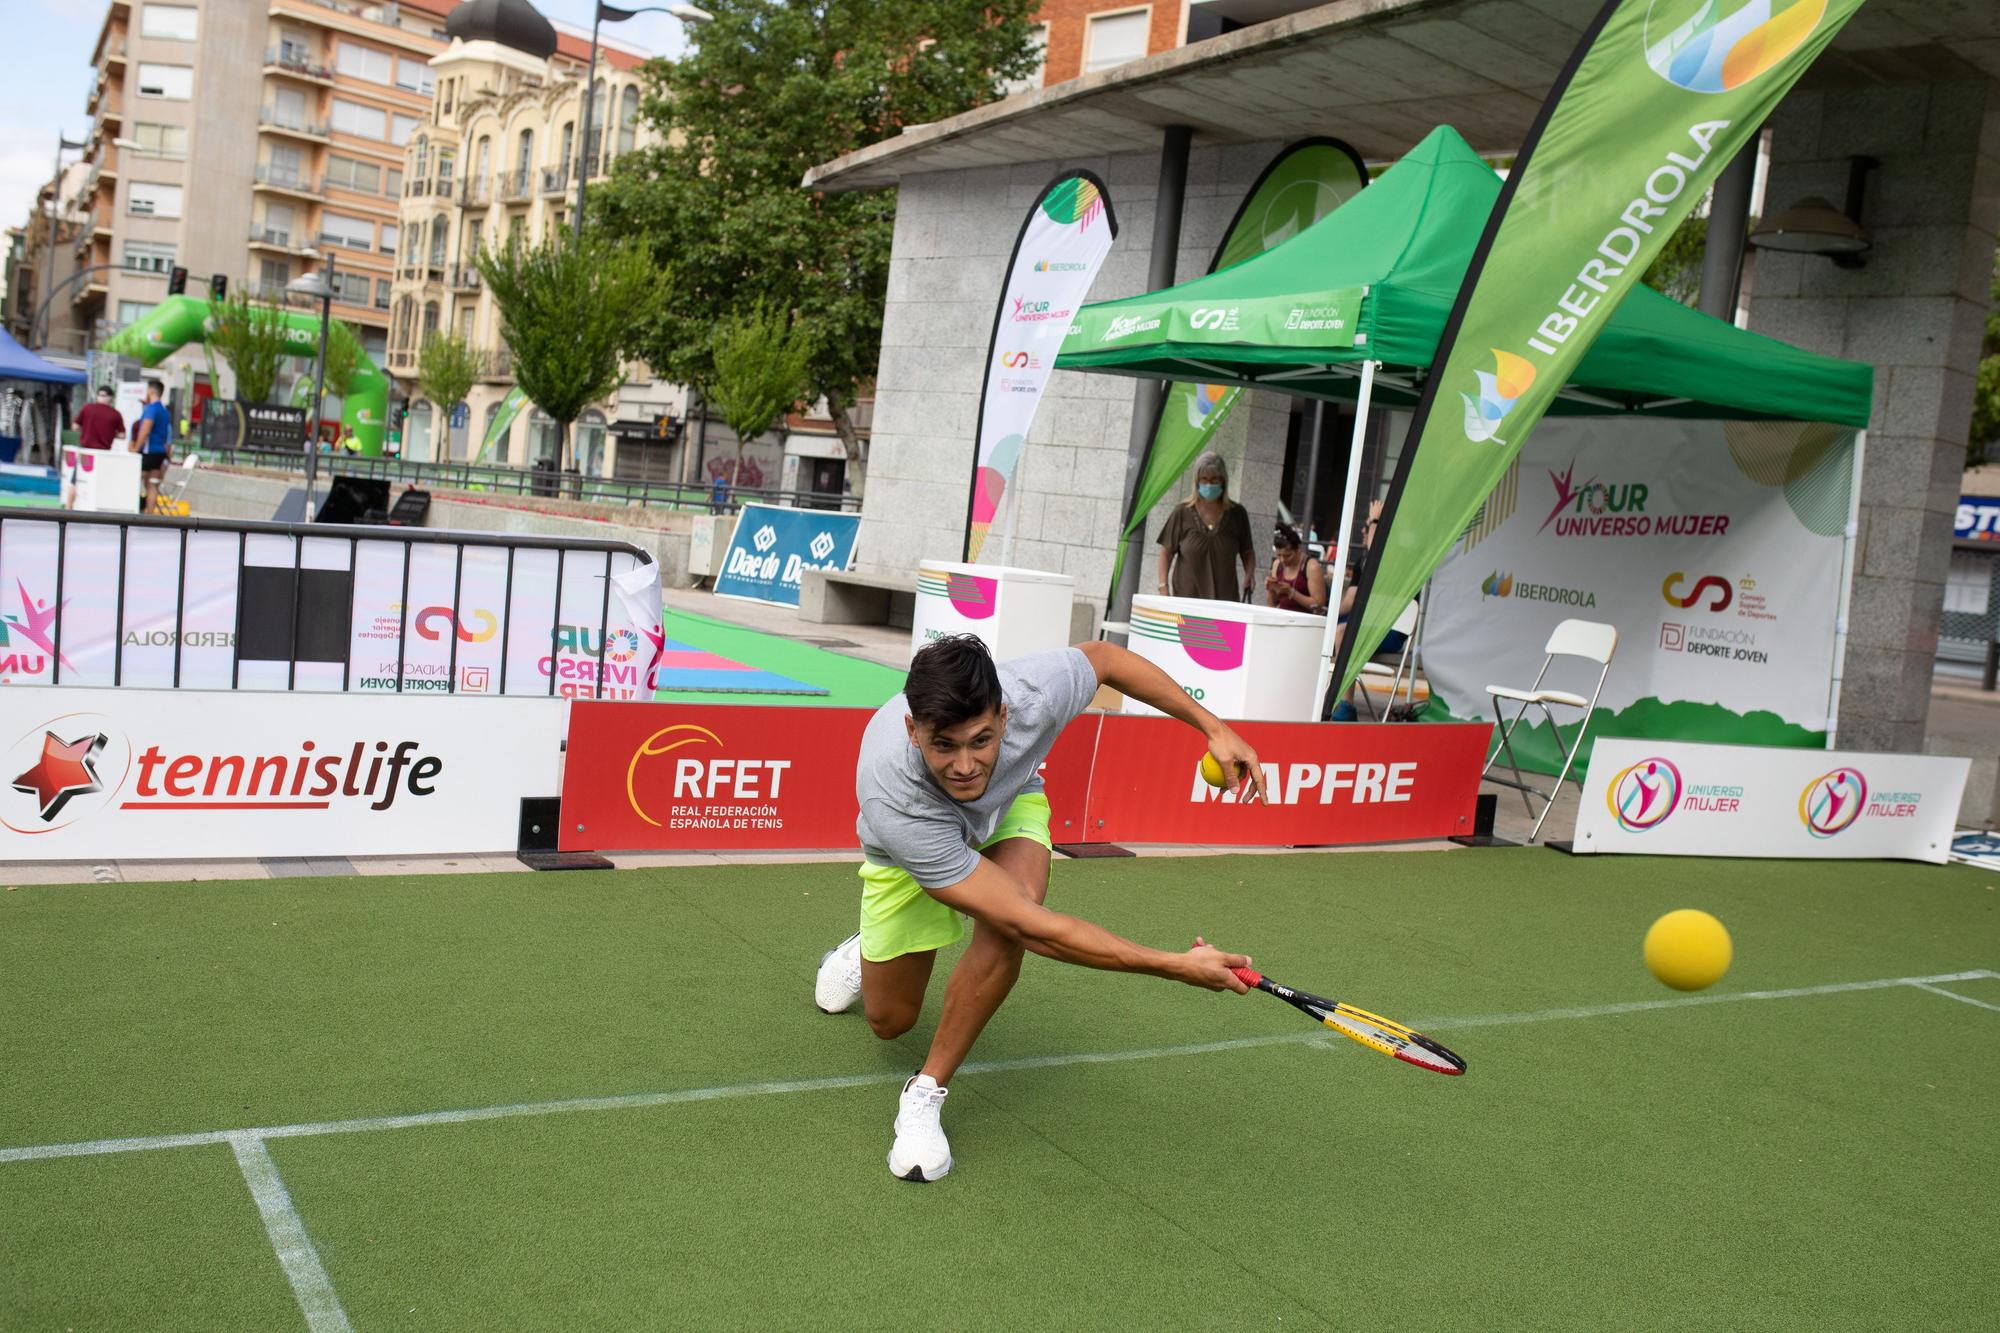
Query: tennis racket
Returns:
{"type": "Point", "coordinates": [1371, 1030]}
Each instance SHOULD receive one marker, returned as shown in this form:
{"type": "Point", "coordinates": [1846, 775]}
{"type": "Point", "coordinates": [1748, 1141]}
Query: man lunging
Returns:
{"type": "Point", "coordinates": [954, 819]}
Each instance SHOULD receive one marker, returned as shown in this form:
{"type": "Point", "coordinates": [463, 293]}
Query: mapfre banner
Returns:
{"type": "Point", "coordinates": [163, 774]}
{"type": "Point", "coordinates": [1674, 799]}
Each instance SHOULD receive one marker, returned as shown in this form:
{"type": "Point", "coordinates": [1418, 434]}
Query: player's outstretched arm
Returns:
{"type": "Point", "coordinates": [1136, 678]}
{"type": "Point", "coordinates": [990, 895]}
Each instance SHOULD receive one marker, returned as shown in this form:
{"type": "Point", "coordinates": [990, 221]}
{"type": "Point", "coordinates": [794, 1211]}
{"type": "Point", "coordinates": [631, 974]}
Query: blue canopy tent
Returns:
{"type": "Point", "coordinates": [18, 367]}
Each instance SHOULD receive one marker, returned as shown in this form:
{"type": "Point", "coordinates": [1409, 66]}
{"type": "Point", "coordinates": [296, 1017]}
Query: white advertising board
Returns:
{"type": "Point", "coordinates": [1237, 660]}
{"type": "Point", "coordinates": [165, 774]}
{"type": "Point", "coordinates": [100, 480]}
{"type": "Point", "coordinates": [1678, 798]}
{"type": "Point", "coordinates": [1014, 611]}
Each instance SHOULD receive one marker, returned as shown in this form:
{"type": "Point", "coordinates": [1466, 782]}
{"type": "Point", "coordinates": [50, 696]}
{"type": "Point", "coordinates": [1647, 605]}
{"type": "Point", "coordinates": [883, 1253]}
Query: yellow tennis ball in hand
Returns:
{"type": "Point", "coordinates": [1688, 949]}
{"type": "Point", "coordinates": [1212, 773]}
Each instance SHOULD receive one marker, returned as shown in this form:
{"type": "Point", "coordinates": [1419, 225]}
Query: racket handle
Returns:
{"type": "Point", "coordinates": [1249, 976]}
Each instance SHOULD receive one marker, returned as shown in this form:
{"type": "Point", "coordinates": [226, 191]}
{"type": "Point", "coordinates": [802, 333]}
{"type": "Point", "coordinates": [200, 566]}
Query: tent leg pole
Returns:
{"type": "Point", "coordinates": [1307, 518]}
{"type": "Point", "coordinates": [1845, 606]}
{"type": "Point", "coordinates": [1336, 582]}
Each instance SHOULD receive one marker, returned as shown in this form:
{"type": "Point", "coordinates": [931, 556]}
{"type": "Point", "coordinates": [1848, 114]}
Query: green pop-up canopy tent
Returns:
{"type": "Point", "coordinates": [1374, 281]}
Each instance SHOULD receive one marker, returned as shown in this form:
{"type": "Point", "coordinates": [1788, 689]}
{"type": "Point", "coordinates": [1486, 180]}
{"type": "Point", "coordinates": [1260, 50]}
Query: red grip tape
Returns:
{"type": "Point", "coordinates": [1247, 975]}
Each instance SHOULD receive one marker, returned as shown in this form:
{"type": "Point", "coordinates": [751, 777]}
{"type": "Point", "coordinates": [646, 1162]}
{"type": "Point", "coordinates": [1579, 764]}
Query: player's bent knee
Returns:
{"type": "Point", "coordinates": [892, 1025]}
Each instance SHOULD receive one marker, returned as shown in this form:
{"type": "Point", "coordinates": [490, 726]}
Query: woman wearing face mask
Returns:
{"type": "Point", "coordinates": [1206, 538]}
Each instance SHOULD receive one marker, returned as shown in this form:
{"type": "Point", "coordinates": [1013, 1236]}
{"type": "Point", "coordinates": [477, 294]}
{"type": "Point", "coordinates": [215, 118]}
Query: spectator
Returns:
{"type": "Point", "coordinates": [1297, 582]}
{"type": "Point", "coordinates": [153, 438]}
{"type": "Point", "coordinates": [98, 423]}
{"type": "Point", "coordinates": [1205, 538]}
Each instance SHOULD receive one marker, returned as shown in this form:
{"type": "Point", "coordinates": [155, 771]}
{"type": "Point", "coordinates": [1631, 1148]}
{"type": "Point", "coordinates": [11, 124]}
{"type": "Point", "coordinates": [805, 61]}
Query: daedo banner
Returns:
{"type": "Point", "coordinates": [1656, 99]}
{"type": "Point", "coordinates": [146, 773]}
{"type": "Point", "coordinates": [1302, 184]}
{"type": "Point", "coordinates": [1714, 548]}
{"type": "Point", "coordinates": [773, 546]}
{"type": "Point", "coordinates": [1674, 799]}
{"type": "Point", "coordinates": [1062, 243]}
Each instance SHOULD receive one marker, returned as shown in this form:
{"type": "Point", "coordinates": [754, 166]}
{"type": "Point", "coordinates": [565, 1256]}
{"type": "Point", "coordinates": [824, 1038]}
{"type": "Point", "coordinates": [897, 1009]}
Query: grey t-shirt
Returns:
{"type": "Point", "coordinates": [906, 818]}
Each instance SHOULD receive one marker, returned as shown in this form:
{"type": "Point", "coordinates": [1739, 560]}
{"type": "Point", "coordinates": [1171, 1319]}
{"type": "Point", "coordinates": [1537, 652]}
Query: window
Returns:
{"type": "Point", "coordinates": [173, 23]}
{"type": "Point", "coordinates": [484, 161]}
{"type": "Point", "coordinates": [473, 233]}
{"type": "Point", "coordinates": [350, 174]}
{"type": "Point", "coordinates": [414, 76]}
{"type": "Point", "coordinates": [588, 450]}
{"type": "Point", "coordinates": [374, 343]}
{"type": "Point", "coordinates": [392, 182]}
{"type": "Point", "coordinates": [175, 83]}
{"type": "Point", "coordinates": [367, 122]}
{"type": "Point", "coordinates": [1038, 43]}
{"type": "Point", "coordinates": [391, 233]}
{"type": "Point", "coordinates": [628, 120]}
{"type": "Point", "coordinates": [465, 318]}
{"type": "Point", "coordinates": [382, 286]}
{"type": "Point", "coordinates": [542, 437]}
{"type": "Point", "coordinates": [296, 49]}
{"type": "Point", "coordinates": [131, 312]}
{"type": "Point", "coordinates": [350, 288]}
{"type": "Point", "coordinates": [150, 200]}
{"type": "Point", "coordinates": [568, 145]}
{"type": "Point", "coordinates": [440, 239]}
{"type": "Point", "coordinates": [525, 158]}
{"type": "Point", "coordinates": [444, 98]}
{"type": "Point", "coordinates": [284, 166]}
{"type": "Point", "coordinates": [149, 256]}
{"type": "Point", "coordinates": [430, 319]}
{"type": "Point", "coordinates": [401, 327]}
{"type": "Point", "coordinates": [401, 127]}
{"type": "Point", "coordinates": [420, 158]}
{"type": "Point", "coordinates": [365, 62]}
{"type": "Point", "coordinates": [340, 229]}
{"type": "Point", "coordinates": [597, 104]}
{"type": "Point", "coordinates": [1114, 39]}
{"type": "Point", "coordinates": [447, 160]}
{"type": "Point", "coordinates": [288, 108]}
{"type": "Point", "coordinates": [278, 222]}
{"type": "Point", "coordinates": [273, 274]}
{"type": "Point", "coordinates": [499, 445]}
{"type": "Point", "coordinates": [161, 140]}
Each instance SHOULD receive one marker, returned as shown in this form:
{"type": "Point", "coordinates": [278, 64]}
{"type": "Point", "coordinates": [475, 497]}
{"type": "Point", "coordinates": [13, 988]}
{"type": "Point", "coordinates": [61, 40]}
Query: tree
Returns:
{"type": "Point", "coordinates": [567, 310]}
{"type": "Point", "coordinates": [1985, 430]}
{"type": "Point", "coordinates": [250, 336]}
{"type": "Point", "coordinates": [1676, 270]}
{"type": "Point", "coordinates": [343, 356]}
{"type": "Point", "coordinates": [760, 372]}
{"type": "Point", "coordinates": [447, 368]}
{"type": "Point", "coordinates": [771, 89]}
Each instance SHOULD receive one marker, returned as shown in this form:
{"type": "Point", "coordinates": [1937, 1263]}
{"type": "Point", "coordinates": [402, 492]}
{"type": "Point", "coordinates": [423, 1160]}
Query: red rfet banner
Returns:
{"type": "Point", "coordinates": [1329, 783]}
{"type": "Point", "coordinates": [709, 777]}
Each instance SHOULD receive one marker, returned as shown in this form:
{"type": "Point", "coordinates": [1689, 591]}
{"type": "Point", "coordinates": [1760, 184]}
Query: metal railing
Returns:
{"type": "Point", "coordinates": [286, 178]}
{"type": "Point", "coordinates": [1969, 627]}
{"type": "Point", "coordinates": [474, 192]}
{"type": "Point", "coordinates": [270, 236]}
{"type": "Point", "coordinates": [555, 180]}
{"type": "Point", "coordinates": [517, 184]}
{"type": "Point", "coordinates": [499, 364]}
{"type": "Point", "coordinates": [499, 479]}
{"type": "Point", "coordinates": [270, 116]}
{"type": "Point", "coordinates": [295, 62]}
{"type": "Point", "coordinates": [465, 277]}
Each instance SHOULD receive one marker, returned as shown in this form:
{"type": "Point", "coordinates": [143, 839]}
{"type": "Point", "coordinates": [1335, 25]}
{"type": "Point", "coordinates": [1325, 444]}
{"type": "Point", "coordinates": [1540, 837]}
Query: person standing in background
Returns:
{"type": "Point", "coordinates": [98, 423]}
{"type": "Point", "coordinates": [1206, 537]}
{"type": "Point", "coordinates": [153, 438]}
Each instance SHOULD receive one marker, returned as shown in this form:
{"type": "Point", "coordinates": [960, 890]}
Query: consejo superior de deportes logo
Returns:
{"type": "Point", "coordinates": [1643, 795]}
{"type": "Point", "coordinates": [1712, 46]}
{"type": "Point", "coordinates": [1832, 801]}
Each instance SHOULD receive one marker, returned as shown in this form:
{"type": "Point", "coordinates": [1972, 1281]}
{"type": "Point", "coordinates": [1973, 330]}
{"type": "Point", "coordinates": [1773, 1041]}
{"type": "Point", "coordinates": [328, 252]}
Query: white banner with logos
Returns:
{"type": "Point", "coordinates": [1068, 231]}
{"type": "Point", "coordinates": [164, 774]}
{"type": "Point", "coordinates": [1671, 798]}
{"type": "Point", "coordinates": [1714, 547]}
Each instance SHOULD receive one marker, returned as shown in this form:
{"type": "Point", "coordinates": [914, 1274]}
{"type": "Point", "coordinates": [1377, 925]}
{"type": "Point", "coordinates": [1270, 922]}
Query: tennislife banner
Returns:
{"type": "Point", "coordinates": [1303, 183]}
{"type": "Point", "coordinates": [1656, 99]}
{"type": "Point", "coordinates": [1061, 245]}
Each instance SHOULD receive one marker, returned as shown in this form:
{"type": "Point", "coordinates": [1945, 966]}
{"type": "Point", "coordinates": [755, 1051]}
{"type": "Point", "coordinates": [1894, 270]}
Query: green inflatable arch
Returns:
{"type": "Point", "coordinates": [180, 320]}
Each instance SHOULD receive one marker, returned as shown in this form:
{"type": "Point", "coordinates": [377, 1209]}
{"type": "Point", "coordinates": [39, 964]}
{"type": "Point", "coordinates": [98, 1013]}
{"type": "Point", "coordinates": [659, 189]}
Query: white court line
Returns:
{"type": "Point", "coordinates": [1444, 1026]}
{"type": "Point", "coordinates": [288, 1237]}
{"type": "Point", "coordinates": [1954, 995]}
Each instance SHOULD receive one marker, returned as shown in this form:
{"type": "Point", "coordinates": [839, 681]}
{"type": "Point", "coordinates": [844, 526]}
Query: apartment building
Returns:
{"type": "Point", "coordinates": [256, 141]}
{"type": "Point", "coordinates": [498, 160]}
{"type": "Point", "coordinates": [1081, 37]}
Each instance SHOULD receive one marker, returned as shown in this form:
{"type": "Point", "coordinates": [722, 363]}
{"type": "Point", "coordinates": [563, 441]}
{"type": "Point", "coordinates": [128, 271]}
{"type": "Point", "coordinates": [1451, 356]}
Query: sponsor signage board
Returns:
{"type": "Point", "coordinates": [158, 774]}
{"type": "Point", "coordinates": [773, 546]}
{"type": "Point", "coordinates": [1674, 798]}
{"type": "Point", "coordinates": [1977, 519]}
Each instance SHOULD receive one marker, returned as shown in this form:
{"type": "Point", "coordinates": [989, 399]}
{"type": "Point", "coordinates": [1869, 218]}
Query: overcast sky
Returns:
{"type": "Point", "coordinates": [49, 77]}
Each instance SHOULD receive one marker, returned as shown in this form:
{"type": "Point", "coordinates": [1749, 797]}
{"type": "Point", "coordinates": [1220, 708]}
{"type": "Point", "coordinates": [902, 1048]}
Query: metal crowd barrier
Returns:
{"type": "Point", "coordinates": [244, 576]}
{"type": "Point", "coordinates": [1969, 629]}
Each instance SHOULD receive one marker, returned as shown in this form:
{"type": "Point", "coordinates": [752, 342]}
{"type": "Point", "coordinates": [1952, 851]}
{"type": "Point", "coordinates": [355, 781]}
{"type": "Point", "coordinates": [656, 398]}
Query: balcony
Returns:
{"type": "Point", "coordinates": [284, 180]}
{"type": "Point", "coordinates": [275, 238]}
{"type": "Point", "coordinates": [97, 86]}
{"type": "Point", "coordinates": [384, 12]}
{"type": "Point", "coordinates": [402, 360]}
{"type": "Point", "coordinates": [465, 278]}
{"type": "Point", "coordinates": [273, 121]}
{"type": "Point", "coordinates": [114, 52]}
{"type": "Point", "coordinates": [298, 64]}
{"type": "Point", "coordinates": [472, 193]}
{"type": "Point", "coordinates": [499, 365]}
{"type": "Point", "coordinates": [555, 180]}
{"type": "Point", "coordinates": [515, 186]}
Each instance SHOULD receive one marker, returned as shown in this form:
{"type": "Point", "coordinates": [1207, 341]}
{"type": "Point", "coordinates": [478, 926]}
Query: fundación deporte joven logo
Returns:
{"type": "Point", "coordinates": [71, 767]}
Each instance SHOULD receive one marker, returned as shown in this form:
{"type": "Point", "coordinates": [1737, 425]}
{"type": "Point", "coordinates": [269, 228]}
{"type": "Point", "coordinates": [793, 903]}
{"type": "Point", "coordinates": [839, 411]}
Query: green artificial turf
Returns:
{"type": "Point", "coordinates": [849, 682]}
{"type": "Point", "coordinates": [1817, 1162]}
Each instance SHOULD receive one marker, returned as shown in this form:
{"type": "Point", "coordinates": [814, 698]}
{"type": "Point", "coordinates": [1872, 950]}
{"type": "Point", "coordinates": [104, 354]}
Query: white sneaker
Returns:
{"type": "Point", "coordinates": [921, 1152]}
{"type": "Point", "coordinates": [838, 985]}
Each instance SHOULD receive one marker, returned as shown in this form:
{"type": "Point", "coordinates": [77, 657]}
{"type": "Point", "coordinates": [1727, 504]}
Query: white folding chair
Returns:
{"type": "Point", "coordinates": [1398, 680]}
{"type": "Point", "coordinates": [1572, 638]}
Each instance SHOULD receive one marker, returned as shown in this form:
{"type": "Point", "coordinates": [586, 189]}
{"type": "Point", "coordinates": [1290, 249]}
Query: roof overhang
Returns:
{"type": "Point", "coordinates": [1378, 73]}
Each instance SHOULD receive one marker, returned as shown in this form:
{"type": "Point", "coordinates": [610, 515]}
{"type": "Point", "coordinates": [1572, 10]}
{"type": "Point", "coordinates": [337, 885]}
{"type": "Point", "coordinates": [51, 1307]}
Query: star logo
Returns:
{"type": "Point", "coordinates": [1566, 491]}
{"type": "Point", "coordinates": [36, 624]}
{"type": "Point", "coordinates": [65, 769]}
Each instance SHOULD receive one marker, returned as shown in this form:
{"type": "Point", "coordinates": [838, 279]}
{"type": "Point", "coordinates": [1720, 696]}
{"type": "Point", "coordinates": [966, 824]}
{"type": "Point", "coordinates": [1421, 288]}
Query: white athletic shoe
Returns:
{"type": "Point", "coordinates": [921, 1152]}
{"type": "Point", "coordinates": [838, 985]}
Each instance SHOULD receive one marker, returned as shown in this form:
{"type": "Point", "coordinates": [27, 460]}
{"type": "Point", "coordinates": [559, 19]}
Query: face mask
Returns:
{"type": "Point", "coordinates": [1208, 490]}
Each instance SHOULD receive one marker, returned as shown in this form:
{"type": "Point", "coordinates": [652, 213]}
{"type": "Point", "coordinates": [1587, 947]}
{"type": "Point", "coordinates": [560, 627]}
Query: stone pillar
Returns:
{"type": "Point", "coordinates": [1915, 312]}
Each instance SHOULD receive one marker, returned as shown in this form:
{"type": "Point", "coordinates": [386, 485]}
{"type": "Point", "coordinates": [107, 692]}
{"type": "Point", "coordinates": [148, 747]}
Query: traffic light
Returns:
{"type": "Point", "coordinates": [218, 287]}
{"type": "Point", "coordinates": [177, 281]}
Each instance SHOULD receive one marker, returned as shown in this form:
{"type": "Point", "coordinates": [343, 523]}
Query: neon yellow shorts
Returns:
{"type": "Point", "coordinates": [898, 917]}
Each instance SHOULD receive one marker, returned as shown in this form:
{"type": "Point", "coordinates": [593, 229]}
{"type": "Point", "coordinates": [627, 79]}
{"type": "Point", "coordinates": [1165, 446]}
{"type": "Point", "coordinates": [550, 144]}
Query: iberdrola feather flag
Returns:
{"type": "Point", "coordinates": [1653, 103]}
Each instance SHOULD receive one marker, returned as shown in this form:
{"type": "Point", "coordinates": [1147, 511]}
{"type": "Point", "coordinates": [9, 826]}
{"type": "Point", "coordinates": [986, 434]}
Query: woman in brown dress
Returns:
{"type": "Point", "coordinates": [1206, 538]}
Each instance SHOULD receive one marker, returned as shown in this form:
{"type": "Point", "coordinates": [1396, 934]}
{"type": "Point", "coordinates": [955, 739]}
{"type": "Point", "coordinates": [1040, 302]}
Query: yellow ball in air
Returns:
{"type": "Point", "coordinates": [1688, 949]}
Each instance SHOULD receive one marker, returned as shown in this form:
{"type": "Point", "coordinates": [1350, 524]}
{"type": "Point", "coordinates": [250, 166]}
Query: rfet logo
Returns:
{"type": "Point", "coordinates": [698, 779]}
{"type": "Point", "coordinates": [1833, 801]}
{"type": "Point", "coordinates": [1714, 588]}
{"type": "Point", "coordinates": [1713, 46]}
{"type": "Point", "coordinates": [1643, 795]}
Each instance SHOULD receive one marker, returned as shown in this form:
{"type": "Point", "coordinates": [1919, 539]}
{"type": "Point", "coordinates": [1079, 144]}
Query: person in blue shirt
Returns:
{"type": "Point", "coordinates": [153, 438]}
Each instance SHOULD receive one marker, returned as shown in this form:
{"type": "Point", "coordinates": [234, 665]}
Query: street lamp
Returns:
{"type": "Point", "coordinates": [317, 283]}
{"type": "Point", "coordinates": [613, 14]}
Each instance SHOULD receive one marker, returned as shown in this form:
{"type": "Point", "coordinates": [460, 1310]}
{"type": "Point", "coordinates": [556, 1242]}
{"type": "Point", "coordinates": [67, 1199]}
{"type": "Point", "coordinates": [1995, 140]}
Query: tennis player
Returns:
{"type": "Point", "coordinates": [954, 820]}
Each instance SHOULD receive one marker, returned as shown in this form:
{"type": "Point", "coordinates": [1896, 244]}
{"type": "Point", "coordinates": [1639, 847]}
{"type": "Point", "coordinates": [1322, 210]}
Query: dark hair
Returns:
{"type": "Point", "coordinates": [952, 680]}
{"type": "Point", "coordinates": [1285, 537]}
{"type": "Point", "coordinates": [106, 391]}
{"type": "Point", "coordinates": [157, 387]}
